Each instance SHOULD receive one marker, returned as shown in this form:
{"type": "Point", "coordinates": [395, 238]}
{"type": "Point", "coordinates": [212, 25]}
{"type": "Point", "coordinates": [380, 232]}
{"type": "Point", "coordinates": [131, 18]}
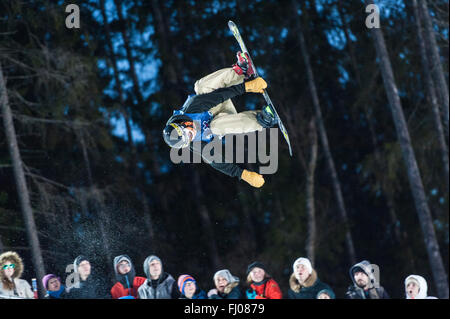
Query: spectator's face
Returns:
{"type": "Point", "coordinates": [189, 289]}
{"type": "Point", "coordinates": [8, 268]}
{"type": "Point", "coordinates": [53, 284]}
{"type": "Point", "coordinates": [155, 269]}
{"type": "Point", "coordinates": [84, 268]}
{"type": "Point", "coordinates": [323, 296]}
{"type": "Point", "coordinates": [301, 273]}
{"type": "Point", "coordinates": [221, 283]}
{"type": "Point", "coordinates": [123, 267]}
{"type": "Point", "coordinates": [361, 279]}
{"type": "Point", "coordinates": [412, 290]}
{"type": "Point", "coordinates": [257, 274]}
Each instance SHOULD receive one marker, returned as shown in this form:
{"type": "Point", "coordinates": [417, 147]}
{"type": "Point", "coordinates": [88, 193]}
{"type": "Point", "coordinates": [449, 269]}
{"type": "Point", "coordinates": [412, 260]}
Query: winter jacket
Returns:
{"type": "Point", "coordinates": [423, 287]}
{"type": "Point", "coordinates": [63, 293]}
{"type": "Point", "coordinates": [373, 291]}
{"type": "Point", "coordinates": [231, 291]}
{"type": "Point", "coordinates": [199, 294]}
{"type": "Point", "coordinates": [203, 103]}
{"type": "Point", "coordinates": [165, 287]}
{"type": "Point", "coordinates": [127, 285]}
{"type": "Point", "coordinates": [267, 289]}
{"type": "Point", "coordinates": [20, 288]}
{"type": "Point", "coordinates": [119, 290]}
{"type": "Point", "coordinates": [308, 290]}
{"type": "Point", "coordinates": [91, 288]}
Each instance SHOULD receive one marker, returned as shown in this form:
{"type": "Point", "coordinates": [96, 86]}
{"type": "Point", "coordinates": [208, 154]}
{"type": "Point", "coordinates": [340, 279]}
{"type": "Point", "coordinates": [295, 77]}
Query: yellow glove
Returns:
{"type": "Point", "coordinates": [254, 179]}
{"type": "Point", "coordinates": [255, 86]}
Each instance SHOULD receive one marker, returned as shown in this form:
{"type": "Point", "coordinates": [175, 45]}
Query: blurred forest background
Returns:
{"type": "Point", "coordinates": [89, 104]}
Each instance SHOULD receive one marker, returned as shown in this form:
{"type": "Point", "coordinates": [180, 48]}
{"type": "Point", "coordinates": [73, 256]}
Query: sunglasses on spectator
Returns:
{"type": "Point", "coordinates": [11, 266]}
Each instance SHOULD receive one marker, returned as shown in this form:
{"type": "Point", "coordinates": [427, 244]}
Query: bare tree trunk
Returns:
{"type": "Point", "coordinates": [432, 94]}
{"type": "Point", "coordinates": [148, 220]}
{"type": "Point", "coordinates": [126, 42]}
{"type": "Point", "coordinates": [87, 163]}
{"type": "Point", "coordinates": [165, 48]}
{"type": "Point", "coordinates": [310, 206]}
{"type": "Point", "coordinates": [435, 61]}
{"type": "Point", "coordinates": [415, 180]}
{"type": "Point", "coordinates": [324, 140]}
{"type": "Point", "coordinates": [21, 184]}
{"type": "Point", "coordinates": [112, 56]}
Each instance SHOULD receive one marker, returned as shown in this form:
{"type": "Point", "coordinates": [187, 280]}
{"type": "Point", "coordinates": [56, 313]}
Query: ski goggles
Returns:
{"type": "Point", "coordinates": [186, 133]}
{"type": "Point", "coordinates": [10, 266]}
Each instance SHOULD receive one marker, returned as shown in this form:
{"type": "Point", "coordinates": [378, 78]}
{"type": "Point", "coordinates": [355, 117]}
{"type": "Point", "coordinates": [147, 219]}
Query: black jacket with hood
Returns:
{"type": "Point", "coordinates": [202, 103]}
{"type": "Point", "coordinates": [373, 291]}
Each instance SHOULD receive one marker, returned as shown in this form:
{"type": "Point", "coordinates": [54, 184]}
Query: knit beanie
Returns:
{"type": "Point", "coordinates": [225, 273]}
{"type": "Point", "coordinates": [329, 292]}
{"type": "Point", "coordinates": [254, 265]}
{"type": "Point", "coordinates": [182, 280]}
{"type": "Point", "coordinates": [305, 262]}
{"type": "Point", "coordinates": [47, 278]}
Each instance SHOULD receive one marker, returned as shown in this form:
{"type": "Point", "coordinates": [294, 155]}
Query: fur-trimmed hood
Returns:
{"type": "Point", "coordinates": [295, 285]}
{"type": "Point", "coordinates": [13, 257]}
{"type": "Point", "coordinates": [230, 287]}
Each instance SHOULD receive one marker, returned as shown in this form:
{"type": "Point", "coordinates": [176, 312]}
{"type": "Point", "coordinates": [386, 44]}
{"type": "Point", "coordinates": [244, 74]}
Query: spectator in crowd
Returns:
{"type": "Point", "coordinates": [11, 268]}
{"type": "Point", "coordinates": [262, 286]}
{"type": "Point", "coordinates": [365, 283]}
{"type": "Point", "coordinates": [326, 294]}
{"type": "Point", "coordinates": [127, 283]}
{"type": "Point", "coordinates": [416, 288]}
{"type": "Point", "coordinates": [87, 285]}
{"type": "Point", "coordinates": [304, 282]}
{"type": "Point", "coordinates": [55, 289]}
{"type": "Point", "coordinates": [159, 284]}
{"type": "Point", "coordinates": [189, 289]}
{"type": "Point", "coordinates": [227, 286]}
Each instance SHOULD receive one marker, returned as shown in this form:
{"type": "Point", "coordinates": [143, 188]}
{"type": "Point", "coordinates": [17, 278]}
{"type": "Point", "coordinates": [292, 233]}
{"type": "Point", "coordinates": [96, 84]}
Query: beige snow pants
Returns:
{"type": "Point", "coordinates": [226, 119]}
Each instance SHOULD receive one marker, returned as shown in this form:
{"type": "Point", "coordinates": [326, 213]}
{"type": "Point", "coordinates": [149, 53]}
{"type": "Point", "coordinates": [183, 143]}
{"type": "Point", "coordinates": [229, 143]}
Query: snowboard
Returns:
{"type": "Point", "coordinates": [234, 29]}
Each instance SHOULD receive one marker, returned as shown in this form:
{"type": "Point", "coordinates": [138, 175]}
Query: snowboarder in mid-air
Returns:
{"type": "Point", "coordinates": [211, 113]}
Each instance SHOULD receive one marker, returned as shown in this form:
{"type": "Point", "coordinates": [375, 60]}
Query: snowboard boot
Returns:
{"type": "Point", "coordinates": [266, 117]}
{"type": "Point", "coordinates": [244, 66]}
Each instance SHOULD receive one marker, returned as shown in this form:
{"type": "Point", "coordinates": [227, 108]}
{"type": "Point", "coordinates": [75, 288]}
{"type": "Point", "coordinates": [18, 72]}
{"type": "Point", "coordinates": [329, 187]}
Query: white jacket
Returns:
{"type": "Point", "coordinates": [22, 289]}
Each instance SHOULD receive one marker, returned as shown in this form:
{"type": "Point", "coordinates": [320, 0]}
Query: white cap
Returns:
{"type": "Point", "coordinates": [305, 262]}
